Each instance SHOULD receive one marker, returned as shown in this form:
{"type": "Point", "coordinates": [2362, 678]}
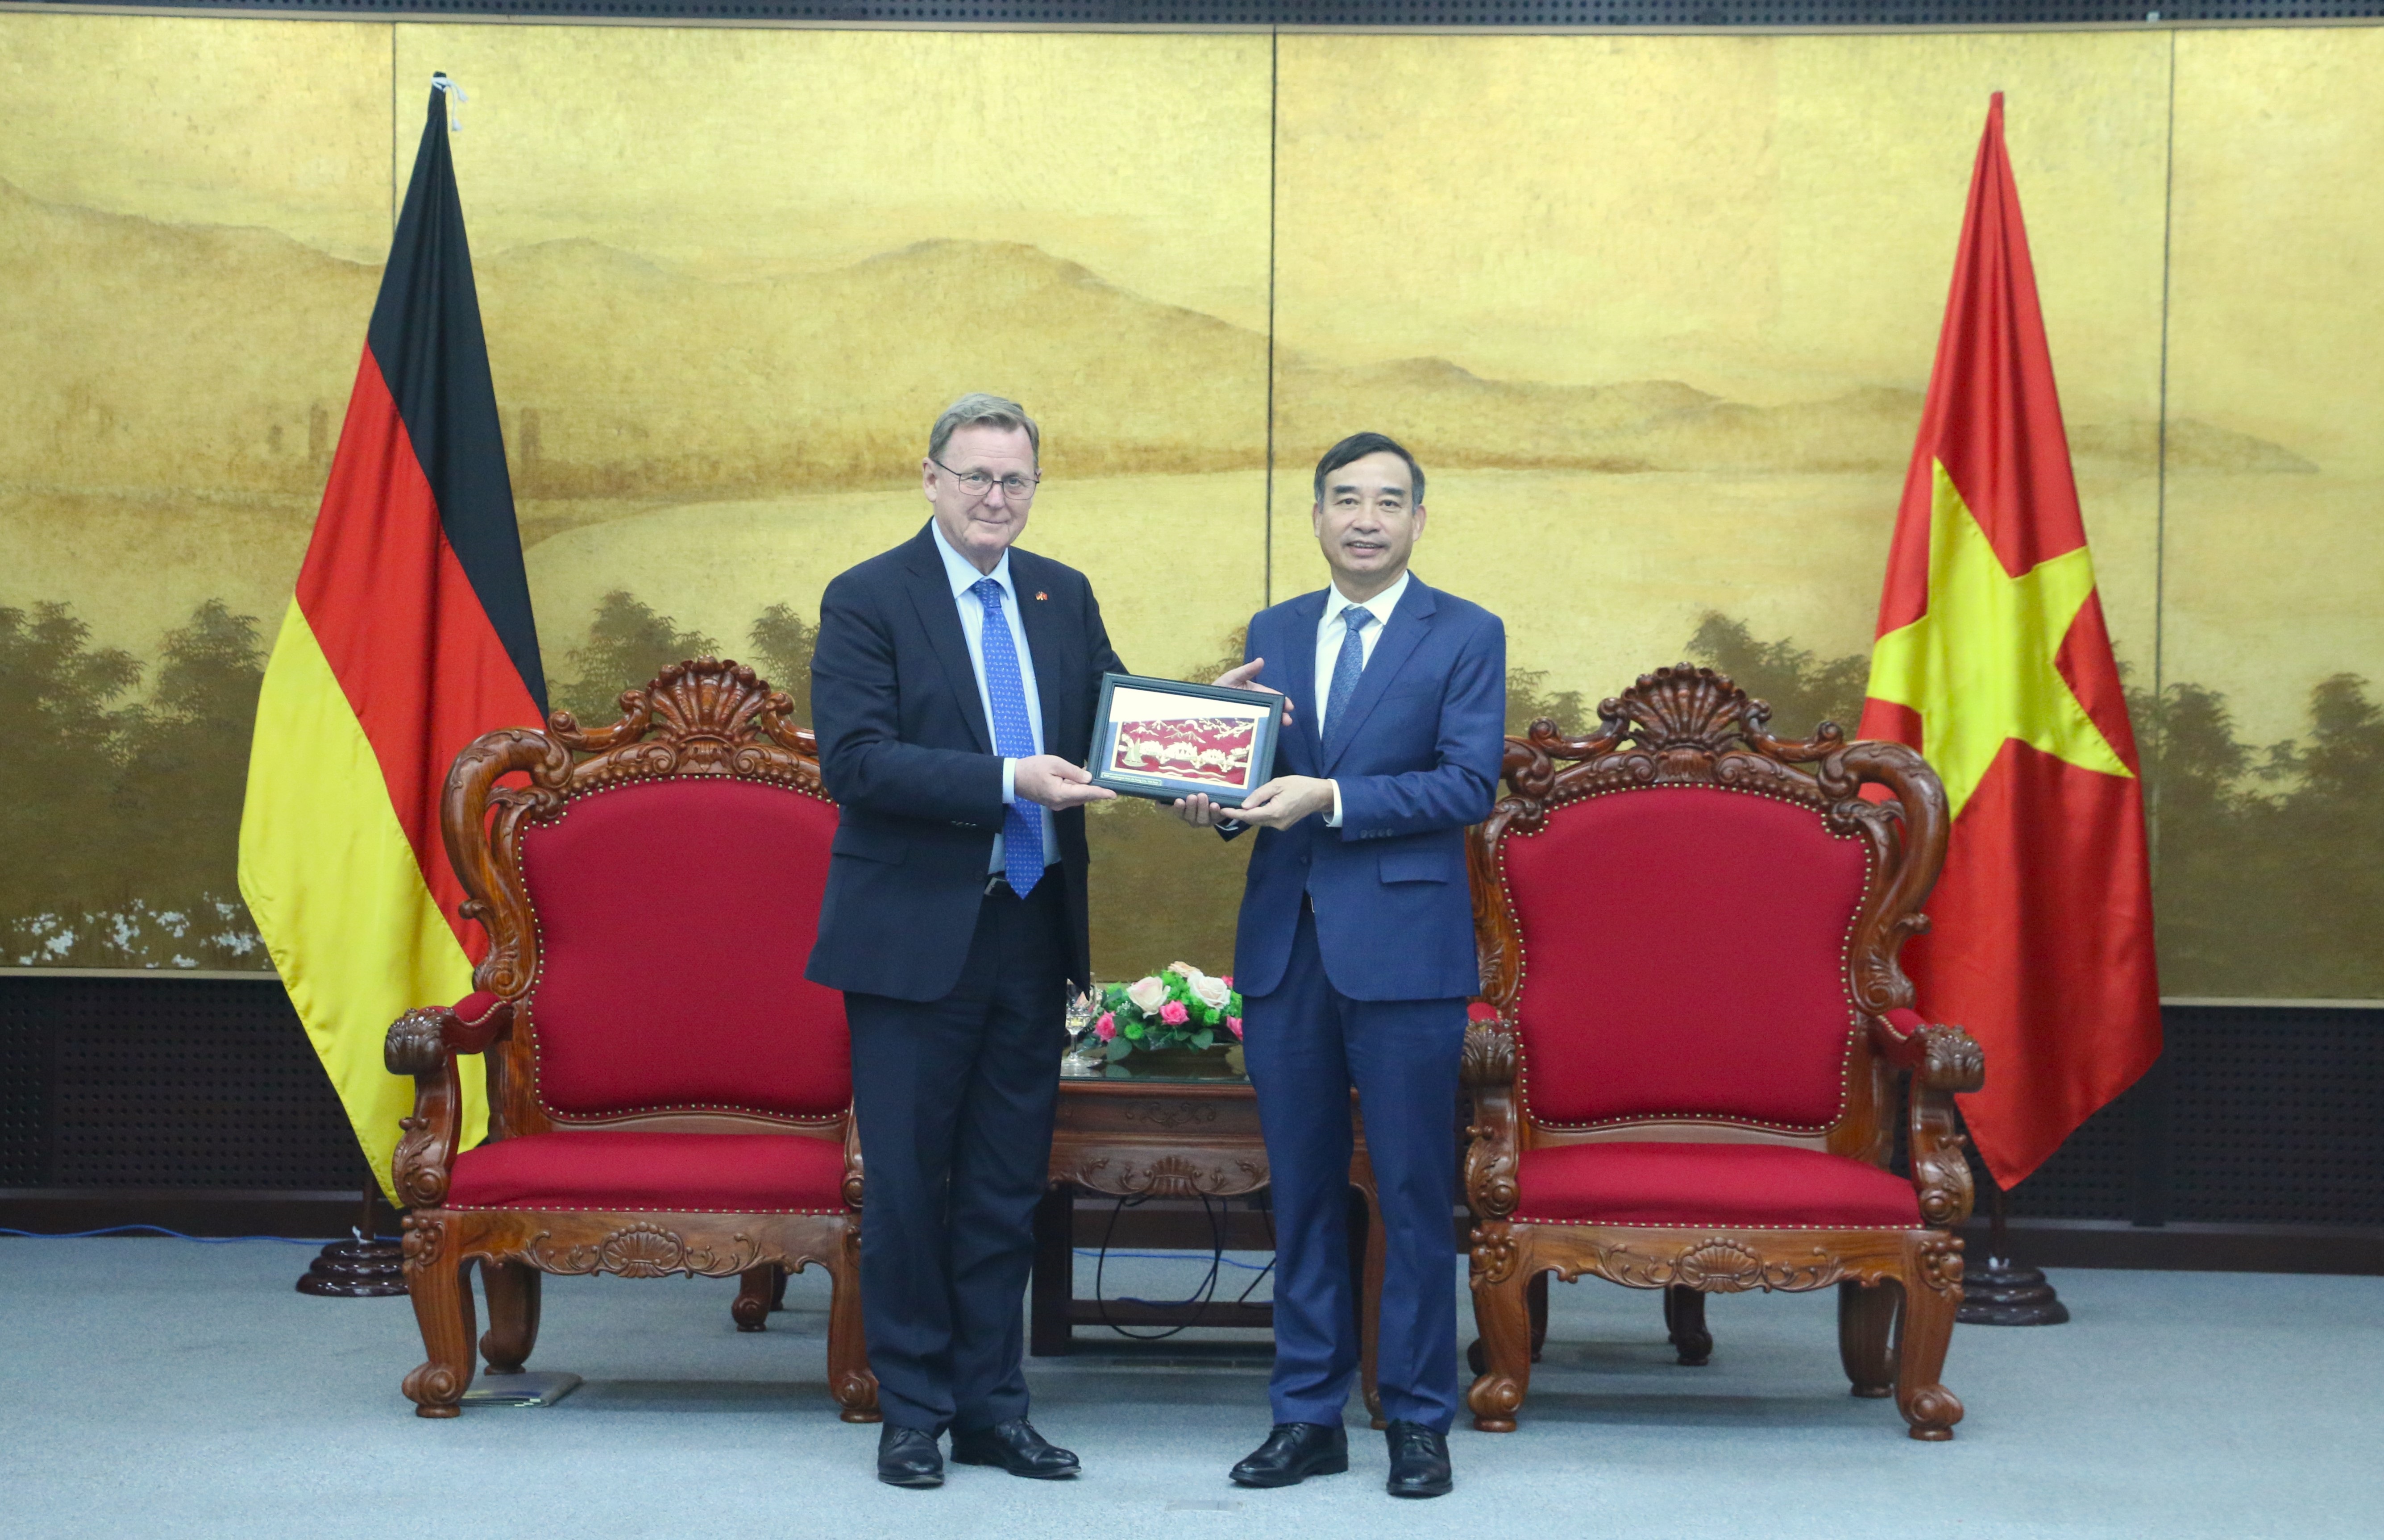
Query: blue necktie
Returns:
{"type": "Point", "coordinates": [1346, 668]}
{"type": "Point", "coordinates": [1014, 737]}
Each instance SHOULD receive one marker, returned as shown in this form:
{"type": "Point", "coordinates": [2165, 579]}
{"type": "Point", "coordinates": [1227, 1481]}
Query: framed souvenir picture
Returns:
{"type": "Point", "coordinates": [1162, 738]}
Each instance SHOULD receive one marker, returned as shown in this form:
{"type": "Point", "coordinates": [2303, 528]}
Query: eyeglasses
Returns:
{"type": "Point", "coordinates": [976, 483]}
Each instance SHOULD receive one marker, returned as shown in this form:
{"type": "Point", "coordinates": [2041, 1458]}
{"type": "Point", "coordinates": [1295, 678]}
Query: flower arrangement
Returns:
{"type": "Point", "coordinates": [1179, 1008]}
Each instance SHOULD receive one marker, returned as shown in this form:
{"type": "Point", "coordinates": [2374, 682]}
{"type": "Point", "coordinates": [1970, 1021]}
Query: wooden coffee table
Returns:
{"type": "Point", "coordinates": [1149, 1135]}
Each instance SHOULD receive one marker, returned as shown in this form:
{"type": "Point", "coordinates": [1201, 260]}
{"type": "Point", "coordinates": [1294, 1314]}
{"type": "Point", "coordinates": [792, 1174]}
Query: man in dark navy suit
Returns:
{"type": "Point", "coordinates": [954, 686]}
{"type": "Point", "coordinates": [1355, 957]}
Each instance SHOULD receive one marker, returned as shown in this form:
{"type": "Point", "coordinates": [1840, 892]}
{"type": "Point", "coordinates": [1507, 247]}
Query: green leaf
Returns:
{"type": "Point", "coordinates": [1203, 1038]}
{"type": "Point", "coordinates": [1118, 1048]}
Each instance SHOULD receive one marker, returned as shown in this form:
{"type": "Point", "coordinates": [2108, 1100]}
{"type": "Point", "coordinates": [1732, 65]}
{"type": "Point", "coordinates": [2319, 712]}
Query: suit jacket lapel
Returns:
{"type": "Point", "coordinates": [1047, 644]}
{"type": "Point", "coordinates": [1406, 628]}
{"type": "Point", "coordinates": [931, 593]}
{"type": "Point", "coordinates": [1296, 676]}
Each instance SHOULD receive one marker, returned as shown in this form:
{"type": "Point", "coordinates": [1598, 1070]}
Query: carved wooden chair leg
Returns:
{"type": "Point", "coordinates": [778, 1289]}
{"type": "Point", "coordinates": [848, 1379]}
{"type": "Point", "coordinates": [1370, 1303]}
{"type": "Point", "coordinates": [1502, 1313]}
{"type": "Point", "coordinates": [1933, 1292]}
{"type": "Point", "coordinates": [514, 1290]}
{"type": "Point", "coordinates": [1685, 1324]}
{"type": "Point", "coordinates": [1538, 1299]}
{"type": "Point", "coordinates": [750, 1309]}
{"type": "Point", "coordinates": [443, 1307]}
{"type": "Point", "coordinates": [1866, 1335]}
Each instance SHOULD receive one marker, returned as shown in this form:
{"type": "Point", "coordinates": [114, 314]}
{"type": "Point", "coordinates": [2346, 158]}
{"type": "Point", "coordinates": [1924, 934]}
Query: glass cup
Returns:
{"type": "Point", "coordinates": [1083, 1010]}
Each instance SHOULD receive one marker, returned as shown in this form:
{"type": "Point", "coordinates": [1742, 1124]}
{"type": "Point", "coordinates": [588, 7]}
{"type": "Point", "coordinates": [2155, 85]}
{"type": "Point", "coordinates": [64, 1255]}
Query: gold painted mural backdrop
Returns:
{"type": "Point", "coordinates": [1655, 311]}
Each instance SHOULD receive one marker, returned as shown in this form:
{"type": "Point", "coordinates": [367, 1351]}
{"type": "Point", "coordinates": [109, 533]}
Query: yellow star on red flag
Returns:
{"type": "Point", "coordinates": [1979, 663]}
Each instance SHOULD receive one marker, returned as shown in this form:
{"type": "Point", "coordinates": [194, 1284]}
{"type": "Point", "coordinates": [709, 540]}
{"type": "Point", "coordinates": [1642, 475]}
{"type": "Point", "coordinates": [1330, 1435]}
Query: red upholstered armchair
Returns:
{"type": "Point", "coordinates": [667, 1094]}
{"type": "Point", "coordinates": [1689, 935]}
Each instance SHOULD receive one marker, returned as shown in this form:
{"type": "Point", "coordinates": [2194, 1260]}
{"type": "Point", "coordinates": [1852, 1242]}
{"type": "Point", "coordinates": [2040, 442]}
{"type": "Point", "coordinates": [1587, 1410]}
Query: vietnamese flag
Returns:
{"type": "Point", "coordinates": [409, 636]}
{"type": "Point", "coordinates": [1994, 662]}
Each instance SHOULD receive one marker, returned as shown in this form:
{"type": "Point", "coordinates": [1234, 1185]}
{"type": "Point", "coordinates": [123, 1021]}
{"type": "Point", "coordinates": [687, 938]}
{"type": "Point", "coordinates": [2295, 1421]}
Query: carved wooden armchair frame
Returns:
{"type": "Point", "coordinates": [700, 719]}
{"type": "Point", "coordinates": [1687, 726]}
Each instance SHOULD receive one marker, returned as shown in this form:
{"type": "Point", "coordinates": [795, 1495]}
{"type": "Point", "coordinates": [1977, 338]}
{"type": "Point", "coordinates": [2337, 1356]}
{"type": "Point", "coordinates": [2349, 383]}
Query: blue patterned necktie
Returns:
{"type": "Point", "coordinates": [1014, 737]}
{"type": "Point", "coordinates": [1346, 668]}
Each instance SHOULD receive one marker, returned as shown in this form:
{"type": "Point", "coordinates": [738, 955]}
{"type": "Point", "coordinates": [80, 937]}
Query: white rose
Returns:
{"type": "Point", "coordinates": [1184, 970]}
{"type": "Point", "coordinates": [1148, 995]}
{"type": "Point", "coordinates": [1211, 992]}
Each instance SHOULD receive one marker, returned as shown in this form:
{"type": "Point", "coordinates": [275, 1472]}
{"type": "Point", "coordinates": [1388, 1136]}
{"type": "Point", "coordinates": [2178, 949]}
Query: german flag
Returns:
{"type": "Point", "coordinates": [410, 635]}
{"type": "Point", "coordinates": [1993, 661]}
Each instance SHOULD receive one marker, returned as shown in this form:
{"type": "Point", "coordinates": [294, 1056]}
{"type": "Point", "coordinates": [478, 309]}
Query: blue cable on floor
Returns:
{"type": "Point", "coordinates": [172, 1234]}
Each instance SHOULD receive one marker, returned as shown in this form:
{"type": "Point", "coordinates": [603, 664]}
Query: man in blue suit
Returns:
{"type": "Point", "coordinates": [954, 686]}
{"type": "Point", "coordinates": [1355, 957]}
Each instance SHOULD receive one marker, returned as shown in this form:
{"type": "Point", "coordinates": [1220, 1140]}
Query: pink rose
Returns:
{"type": "Point", "coordinates": [1233, 1026]}
{"type": "Point", "coordinates": [1106, 1028]}
{"type": "Point", "coordinates": [1173, 1013]}
{"type": "Point", "coordinates": [1229, 980]}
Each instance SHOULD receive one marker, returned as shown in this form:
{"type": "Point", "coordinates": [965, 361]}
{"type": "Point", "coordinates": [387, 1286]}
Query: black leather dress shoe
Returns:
{"type": "Point", "coordinates": [908, 1457]}
{"type": "Point", "coordinates": [1016, 1448]}
{"type": "Point", "coordinates": [1418, 1462]}
{"type": "Point", "coordinates": [1294, 1451]}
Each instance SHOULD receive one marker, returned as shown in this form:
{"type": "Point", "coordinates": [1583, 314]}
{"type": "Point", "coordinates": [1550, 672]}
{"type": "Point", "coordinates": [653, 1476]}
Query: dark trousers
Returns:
{"type": "Point", "coordinates": [954, 1098]}
{"type": "Point", "coordinates": [1306, 1044]}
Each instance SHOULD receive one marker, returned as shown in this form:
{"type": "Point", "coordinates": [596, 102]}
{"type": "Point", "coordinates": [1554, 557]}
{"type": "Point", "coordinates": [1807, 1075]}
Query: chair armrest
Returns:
{"type": "Point", "coordinates": [424, 1043]}
{"type": "Point", "coordinates": [1942, 1060]}
{"type": "Point", "coordinates": [1488, 1070]}
{"type": "Point", "coordinates": [853, 1186]}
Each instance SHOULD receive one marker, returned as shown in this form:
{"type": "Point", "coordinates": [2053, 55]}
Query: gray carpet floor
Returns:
{"type": "Point", "coordinates": [160, 1387]}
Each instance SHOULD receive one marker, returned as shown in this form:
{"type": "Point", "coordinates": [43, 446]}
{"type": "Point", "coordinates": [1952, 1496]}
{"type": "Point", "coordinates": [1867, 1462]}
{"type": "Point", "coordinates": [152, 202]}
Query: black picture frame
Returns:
{"type": "Point", "coordinates": [1227, 784]}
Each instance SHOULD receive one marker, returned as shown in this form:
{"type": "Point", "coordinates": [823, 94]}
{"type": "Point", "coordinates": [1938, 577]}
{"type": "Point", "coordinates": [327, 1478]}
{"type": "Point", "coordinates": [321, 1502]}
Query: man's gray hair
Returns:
{"type": "Point", "coordinates": [979, 410]}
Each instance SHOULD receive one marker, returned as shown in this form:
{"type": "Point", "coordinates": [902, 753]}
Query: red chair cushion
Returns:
{"type": "Point", "coordinates": [620, 1170]}
{"type": "Point", "coordinates": [674, 919]}
{"type": "Point", "coordinates": [1746, 1186]}
{"type": "Point", "coordinates": [1684, 956]}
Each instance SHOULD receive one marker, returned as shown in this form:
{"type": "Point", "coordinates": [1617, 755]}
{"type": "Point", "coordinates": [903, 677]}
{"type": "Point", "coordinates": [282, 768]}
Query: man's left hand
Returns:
{"type": "Point", "coordinates": [1285, 801]}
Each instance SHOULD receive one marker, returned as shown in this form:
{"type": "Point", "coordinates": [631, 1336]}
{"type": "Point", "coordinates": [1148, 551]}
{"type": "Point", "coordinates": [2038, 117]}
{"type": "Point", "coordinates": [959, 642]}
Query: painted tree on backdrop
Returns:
{"type": "Point", "coordinates": [123, 819]}
{"type": "Point", "coordinates": [122, 807]}
{"type": "Point", "coordinates": [2245, 837]}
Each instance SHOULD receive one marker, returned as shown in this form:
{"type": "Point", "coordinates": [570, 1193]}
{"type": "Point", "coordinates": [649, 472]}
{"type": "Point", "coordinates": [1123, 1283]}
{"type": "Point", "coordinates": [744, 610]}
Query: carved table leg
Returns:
{"type": "Point", "coordinates": [1538, 1299]}
{"type": "Point", "coordinates": [1366, 1241]}
{"type": "Point", "coordinates": [1502, 1313]}
{"type": "Point", "coordinates": [1933, 1292]}
{"type": "Point", "coordinates": [443, 1307]}
{"type": "Point", "coordinates": [1685, 1323]}
{"type": "Point", "coordinates": [514, 1290]}
{"type": "Point", "coordinates": [1053, 1288]}
{"type": "Point", "coordinates": [750, 1309]}
{"type": "Point", "coordinates": [848, 1379]}
{"type": "Point", "coordinates": [1866, 1335]}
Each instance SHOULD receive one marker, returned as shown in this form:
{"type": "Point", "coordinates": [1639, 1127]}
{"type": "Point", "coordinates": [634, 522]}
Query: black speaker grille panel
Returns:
{"type": "Point", "coordinates": [2263, 1114]}
{"type": "Point", "coordinates": [2277, 1115]}
{"type": "Point", "coordinates": [158, 1083]}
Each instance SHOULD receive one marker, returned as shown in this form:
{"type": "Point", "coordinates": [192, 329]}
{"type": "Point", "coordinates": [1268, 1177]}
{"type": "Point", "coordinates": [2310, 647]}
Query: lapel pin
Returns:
{"type": "Point", "coordinates": [1040, 594]}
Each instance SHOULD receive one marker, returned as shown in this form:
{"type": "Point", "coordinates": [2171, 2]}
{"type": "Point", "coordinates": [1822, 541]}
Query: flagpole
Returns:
{"type": "Point", "coordinates": [2004, 1293]}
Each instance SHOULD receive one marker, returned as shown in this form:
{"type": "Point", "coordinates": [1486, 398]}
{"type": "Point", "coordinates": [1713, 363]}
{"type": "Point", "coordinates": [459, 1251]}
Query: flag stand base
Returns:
{"type": "Point", "coordinates": [364, 1267]}
{"type": "Point", "coordinates": [2003, 1293]}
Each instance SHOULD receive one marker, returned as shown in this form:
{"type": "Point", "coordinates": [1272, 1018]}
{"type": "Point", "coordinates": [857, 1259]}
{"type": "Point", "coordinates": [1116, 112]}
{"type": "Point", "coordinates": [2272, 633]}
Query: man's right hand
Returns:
{"type": "Point", "coordinates": [1246, 678]}
{"type": "Point", "coordinates": [1050, 781]}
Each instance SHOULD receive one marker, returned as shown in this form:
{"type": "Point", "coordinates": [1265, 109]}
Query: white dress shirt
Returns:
{"type": "Point", "coordinates": [964, 577]}
{"type": "Point", "coordinates": [1331, 632]}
